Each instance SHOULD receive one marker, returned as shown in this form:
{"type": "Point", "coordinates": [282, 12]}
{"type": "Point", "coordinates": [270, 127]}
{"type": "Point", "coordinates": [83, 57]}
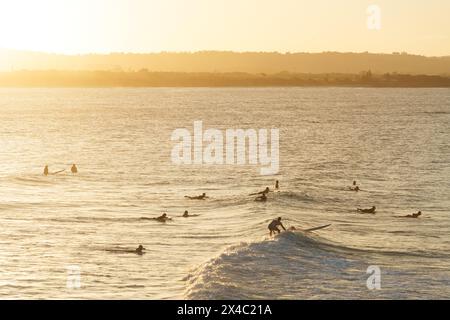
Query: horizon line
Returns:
{"type": "Point", "coordinates": [217, 51]}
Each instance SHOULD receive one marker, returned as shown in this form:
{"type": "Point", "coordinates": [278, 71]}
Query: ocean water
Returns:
{"type": "Point", "coordinates": [65, 229]}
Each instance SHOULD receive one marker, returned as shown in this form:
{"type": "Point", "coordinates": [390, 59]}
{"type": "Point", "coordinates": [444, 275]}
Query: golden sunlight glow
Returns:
{"type": "Point", "coordinates": [82, 26]}
{"type": "Point", "coordinates": [79, 26]}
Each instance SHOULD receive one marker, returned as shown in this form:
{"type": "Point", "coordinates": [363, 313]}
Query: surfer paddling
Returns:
{"type": "Point", "coordinates": [273, 226]}
{"type": "Point", "coordinates": [265, 192]}
{"type": "Point", "coordinates": [139, 250]}
{"type": "Point", "coordinates": [200, 197]}
{"type": "Point", "coordinates": [161, 218]}
{"type": "Point", "coordinates": [187, 215]}
{"type": "Point", "coordinates": [414, 215]}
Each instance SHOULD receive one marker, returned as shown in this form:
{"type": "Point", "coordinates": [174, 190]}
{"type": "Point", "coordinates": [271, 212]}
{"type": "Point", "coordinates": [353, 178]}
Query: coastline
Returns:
{"type": "Point", "coordinates": [147, 79]}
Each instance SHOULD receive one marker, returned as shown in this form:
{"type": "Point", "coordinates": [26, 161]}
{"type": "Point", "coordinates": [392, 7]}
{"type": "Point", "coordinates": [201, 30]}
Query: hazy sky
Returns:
{"type": "Point", "coordinates": [81, 26]}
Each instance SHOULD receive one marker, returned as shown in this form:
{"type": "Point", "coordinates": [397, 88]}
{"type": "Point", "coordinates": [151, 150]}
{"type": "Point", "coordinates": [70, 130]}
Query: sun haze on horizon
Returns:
{"type": "Point", "coordinates": [103, 26]}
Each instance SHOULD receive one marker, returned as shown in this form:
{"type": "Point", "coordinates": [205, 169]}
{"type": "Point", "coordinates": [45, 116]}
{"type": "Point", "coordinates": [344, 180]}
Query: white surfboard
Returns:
{"type": "Point", "coordinates": [316, 228]}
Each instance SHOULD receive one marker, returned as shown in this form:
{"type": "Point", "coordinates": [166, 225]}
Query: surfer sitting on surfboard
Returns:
{"type": "Point", "coordinates": [273, 226]}
{"type": "Point", "coordinates": [74, 169]}
{"type": "Point", "coordinates": [140, 249]}
{"type": "Point", "coordinates": [355, 187]}
{"type": "Point", "coordinates": [200, 197]}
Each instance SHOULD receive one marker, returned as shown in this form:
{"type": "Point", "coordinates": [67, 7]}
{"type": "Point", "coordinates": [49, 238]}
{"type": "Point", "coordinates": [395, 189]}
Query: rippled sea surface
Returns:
{"type": "Point", "coordinates": [394, 142]}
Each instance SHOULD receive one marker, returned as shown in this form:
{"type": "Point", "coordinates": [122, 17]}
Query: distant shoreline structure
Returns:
{"type": "Point", "coordinates": [145, 78]}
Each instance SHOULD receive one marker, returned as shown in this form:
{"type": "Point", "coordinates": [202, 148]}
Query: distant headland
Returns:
{"type": "Point", "coordinates": [222, 68]}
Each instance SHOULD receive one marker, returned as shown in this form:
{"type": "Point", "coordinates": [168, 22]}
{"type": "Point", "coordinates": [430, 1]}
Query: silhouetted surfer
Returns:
{"type": "Point", "coordinates": [273, 226]}
{"type": "Point", "coordinates": [371, 210]}
{"type": "Point", "coordinates": [355, 187]}
{"type": "Point", "coordinates": [140, 249]}
{"type": "Point", "coordinates": [74, 169]}
{"type": "Point", "coordinates": [161, 218]}
{"type": "Point", "coordinates": [265, 191]}
{"type": "Point", "coordinates": [46, 171]}
{"type": "Point", "coordinates": [187, 215]}
{"type": "Point", "coordinates": [414, 215]}
{"type": "Point", "coordinates": [277, 185]}
{"type": "Point", "coordinates": [200, 197]}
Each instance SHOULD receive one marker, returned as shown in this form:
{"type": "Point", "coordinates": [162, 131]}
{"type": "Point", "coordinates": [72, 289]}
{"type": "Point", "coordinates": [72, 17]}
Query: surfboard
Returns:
{"type": "Point", "coordinates": [316, 228]}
